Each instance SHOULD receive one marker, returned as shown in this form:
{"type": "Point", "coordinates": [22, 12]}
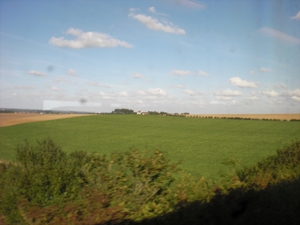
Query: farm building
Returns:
{"type": "Point", "coordinates": [139, 112]}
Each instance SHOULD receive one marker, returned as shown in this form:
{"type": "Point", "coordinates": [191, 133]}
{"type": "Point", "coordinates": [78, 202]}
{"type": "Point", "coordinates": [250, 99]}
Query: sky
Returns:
{"type": "Point", "coordinates": [201, 57]}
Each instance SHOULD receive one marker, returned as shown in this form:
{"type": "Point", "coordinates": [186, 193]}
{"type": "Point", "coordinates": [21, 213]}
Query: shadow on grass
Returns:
{"type": "Point", "coordinates": [277, 204]}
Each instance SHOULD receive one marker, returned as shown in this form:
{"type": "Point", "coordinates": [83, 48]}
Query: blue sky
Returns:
{"type": "Point", "coordinates": [160, 55]}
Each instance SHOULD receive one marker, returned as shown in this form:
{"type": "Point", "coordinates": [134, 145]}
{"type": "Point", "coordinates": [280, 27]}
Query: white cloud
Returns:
{"type": "Point", "coordinates": [55, 88]}
{"type": "Point", "coordinates": [202, 73]}
{"type": "Point", "coordinates": [280, 85]}
{"type": "Point", "coordinates": [182, 72]}
{"type": "Point", "coordinates": [106, 95]}
{"type": "Point", "coordinates": [63, 80]}
{"type": "Point", "coordinates": [191, 4]}
{"type": "Point", "coordinates": [88, 40]}
{"type": "Point", "coordinates": [228, 92]}
{"type": "Point", "coordinates": [156, 92]}
{"type": "Point", "coordinates": [296, 98]}
{"type": "Point", "coordinates": [227, 95]}
{"type": "Point", "coordinates": [224, 98]}
{"type": "Point", "coordinates": [97, 84]}
{"type": "Point", "coordinates": [36, 73]}
{"type": "Point", "coordinates": [265, 70]}
{"type": "Point", "coordinates": [270, 32]}
{"type": "Point", "coordinates": [261, 70]}
{"type": "Point", "coordinates": [253, 98]}
{"type": "Point", "coordinates": [295, 92]}
{"type": "Point", "coordinates": [153, 10]}
{"type": "Point", "coordinates": [236, 81]}
{"type": "Point", "coordinates": [139, 92]}
{"type": "Point", "coordinates": [154, 24]}
{"type": "Point", "coordinates": [270, 93]}
{"type": "Point", "coordinates": [72, 72]}
{"type": "Point", "coordinates": [123, 93]}
{"type": "Point", "coordinates": [297, 17]}
{"type": "Point", "coordinates": [137, 75]}
{"type": "Point", "coordinates": [190, 92]}
{"type": "Point", "coordinates": [24, 87]}
{"type": "Point", "coordinates": [179, 86]}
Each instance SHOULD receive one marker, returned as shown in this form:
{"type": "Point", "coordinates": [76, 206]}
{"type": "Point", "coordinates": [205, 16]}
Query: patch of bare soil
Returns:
{"type": "Point", "coordinates": [252, 116]}
{"type": "Point", "coordinates": [9, 119]}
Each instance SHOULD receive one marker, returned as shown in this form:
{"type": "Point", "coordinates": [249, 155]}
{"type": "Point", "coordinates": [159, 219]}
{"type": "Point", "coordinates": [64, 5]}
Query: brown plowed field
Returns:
{"type": "Point", "coordinates": [252, 116]}
{"type": "Point", "coordinates": [8, 119]}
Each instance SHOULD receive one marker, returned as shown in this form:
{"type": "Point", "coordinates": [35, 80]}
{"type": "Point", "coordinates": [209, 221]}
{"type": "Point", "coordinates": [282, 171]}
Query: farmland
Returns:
{"type": "Point", "coordinates": [9, 119]}
{"type": "Point", "coordinates": [200, 145]}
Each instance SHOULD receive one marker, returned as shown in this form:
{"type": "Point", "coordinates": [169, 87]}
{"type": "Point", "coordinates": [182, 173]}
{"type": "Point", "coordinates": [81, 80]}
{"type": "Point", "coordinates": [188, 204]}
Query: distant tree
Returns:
{"type": "Point", "coordinates": [153, 113]}
{"type": "Point", "coordinates": [123, 111]}
{"type": "Point", "coordinates": [164, 113]}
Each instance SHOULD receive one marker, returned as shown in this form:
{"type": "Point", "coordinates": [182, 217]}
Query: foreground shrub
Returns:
{"type": "Point", "coordinates": [285, 165]}
{"type": "Point", "coordinates": [43, 175]}
{"type": "Point", "coordinates": [48, 175]}
{"type": "Point", "coordinates": [265, 193]}
{"type": "Point", "coordinates": [45, 181]}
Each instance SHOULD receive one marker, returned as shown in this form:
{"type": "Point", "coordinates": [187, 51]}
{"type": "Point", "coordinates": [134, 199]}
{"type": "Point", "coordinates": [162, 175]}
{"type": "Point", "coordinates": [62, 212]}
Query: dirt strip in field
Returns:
{"type": "Point", "coordinates": [252, 116]}
{"type": "Point", "coordinates": [8, 119]}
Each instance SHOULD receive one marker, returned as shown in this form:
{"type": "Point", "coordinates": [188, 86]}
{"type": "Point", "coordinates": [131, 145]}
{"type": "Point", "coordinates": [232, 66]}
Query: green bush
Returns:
{"type": "Point", "coordinates": [285, 165]}
{"type": "Point", "coordinates": [45, 180]}
{"type": "Point", "coordinates": [49, 175]}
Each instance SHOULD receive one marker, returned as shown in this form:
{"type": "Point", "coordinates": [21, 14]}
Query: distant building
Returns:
{"type": "Point", "coordinates": [139, 112]}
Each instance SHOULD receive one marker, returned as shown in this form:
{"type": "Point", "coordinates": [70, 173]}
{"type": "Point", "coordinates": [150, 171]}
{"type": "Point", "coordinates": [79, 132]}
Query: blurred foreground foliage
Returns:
{"type": "Point", "coordinates": [48, 186]}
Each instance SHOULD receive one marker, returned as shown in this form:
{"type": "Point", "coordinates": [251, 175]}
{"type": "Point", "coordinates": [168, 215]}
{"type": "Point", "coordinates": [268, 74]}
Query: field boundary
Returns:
{"type": "Point", "coordinates": [287, 117]}
{"type": "Point", "coordinates": [9, 119]}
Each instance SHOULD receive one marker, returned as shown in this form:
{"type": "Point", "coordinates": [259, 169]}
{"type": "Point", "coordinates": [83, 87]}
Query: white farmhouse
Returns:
{"type": "Point", "coordinates": [139, 112]}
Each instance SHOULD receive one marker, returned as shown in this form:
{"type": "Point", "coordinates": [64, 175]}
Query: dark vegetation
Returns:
{"type": "Point", "coordinates": [123, 111]}
{"type": "Point", "coordinates": [49, 186]}
{"type": "Point", "coordinates": [157, 113]}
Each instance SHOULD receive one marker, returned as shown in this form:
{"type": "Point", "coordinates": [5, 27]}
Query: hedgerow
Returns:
{"type": "Point", "coordinates": [49, 186]}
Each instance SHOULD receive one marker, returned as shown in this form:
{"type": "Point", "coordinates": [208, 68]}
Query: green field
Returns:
{"type": "Point", "coordinates": [200, 145]}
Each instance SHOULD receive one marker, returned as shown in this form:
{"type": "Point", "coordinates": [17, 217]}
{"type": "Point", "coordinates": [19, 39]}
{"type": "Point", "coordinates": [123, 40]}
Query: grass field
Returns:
{"type": "Point", "coordinates": [201, 145]}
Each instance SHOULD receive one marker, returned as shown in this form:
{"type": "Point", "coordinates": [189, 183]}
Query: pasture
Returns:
{"type": "Point", "coordinates": [200, 145]}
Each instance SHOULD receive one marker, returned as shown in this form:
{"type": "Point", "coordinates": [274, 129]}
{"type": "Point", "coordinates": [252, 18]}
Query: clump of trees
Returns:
{"type": "Point", "coordinates": [123, 111]}
{"type": "Point", "coordinates": [157, 113]}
